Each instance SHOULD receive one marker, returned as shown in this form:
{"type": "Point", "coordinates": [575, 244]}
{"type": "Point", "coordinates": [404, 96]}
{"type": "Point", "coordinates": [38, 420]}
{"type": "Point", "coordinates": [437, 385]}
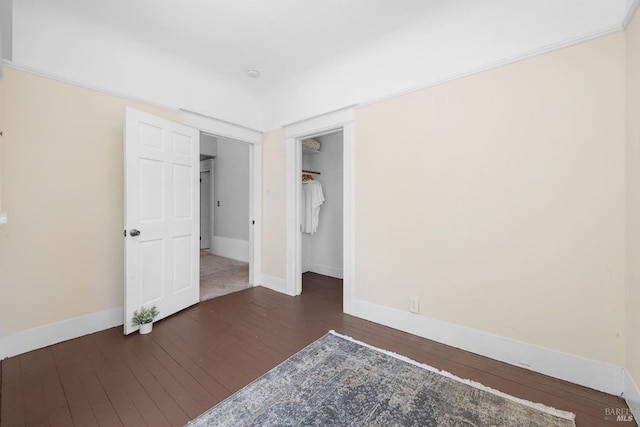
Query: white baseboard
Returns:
{"type": "Point", "coordinates": [230, 248]}
{"type": "Point", "coordinates": [324, 270]}
{"type": "Point", "coordinates": [576, 369]}
{"type": "Point", "coordinates": [42, 336]}
{"type": "Point", "coordinates": [632, 396]}
{"type": "Point", "coordinates": [273, 283]}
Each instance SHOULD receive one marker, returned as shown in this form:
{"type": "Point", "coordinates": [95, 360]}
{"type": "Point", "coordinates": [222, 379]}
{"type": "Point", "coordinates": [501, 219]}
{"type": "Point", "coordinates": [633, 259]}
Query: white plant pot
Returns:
{"type": "Point", "coordinates": [145, 328]}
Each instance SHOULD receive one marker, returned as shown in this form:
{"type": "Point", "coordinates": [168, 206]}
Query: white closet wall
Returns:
{"type": "Point", "coordinates": [322, 251]}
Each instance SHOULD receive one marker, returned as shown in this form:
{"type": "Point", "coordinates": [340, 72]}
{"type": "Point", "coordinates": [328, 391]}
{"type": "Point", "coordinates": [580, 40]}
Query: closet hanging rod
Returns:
{"type": "Point", "coordinates": [306, 171]}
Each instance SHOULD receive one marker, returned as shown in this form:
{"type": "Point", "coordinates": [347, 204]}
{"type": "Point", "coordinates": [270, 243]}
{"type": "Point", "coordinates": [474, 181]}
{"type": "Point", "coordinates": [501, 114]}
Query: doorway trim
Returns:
{"type": "Point", "coordinates": [206, 167]}
{"type": "Point", "coordinates": [252, 137]}
{"type": "Point", "coordinates": [342, 119]}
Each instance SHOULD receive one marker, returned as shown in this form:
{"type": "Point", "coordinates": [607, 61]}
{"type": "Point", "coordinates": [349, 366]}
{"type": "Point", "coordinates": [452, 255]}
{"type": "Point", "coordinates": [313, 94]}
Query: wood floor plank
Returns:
{"type": "Point", "coordinates": [168, 382]}
{"type": "Point", "coordinates": [160, 396]}
{"type": "Point", "coordinates": [254, 353]}
{"type": "Point", "coordinates": [177, 353]}
{"type": "Point", "coordinates": [12, 404]}
{"type": "Point", "coordinates": [72, 367]}
{"type": "Point", "coordinates": [57, 406]}
{"type": "Point", "coordinates": [109, 343]}
{"type": "Point", "coordinates": [221, 365]}
{"type": "Point", "coordinates": [224, 334]}
{"type": "Point", "coordinates": [196, 358]}
{"type": "Point", "coordinates": [198, 393]}
{"type": "Point", "coordinates": [255, 327]}
{"type": "Point", "coordinates": [104, 412]}
{"type": "Point", "coordinates": [110, 381]}
{"type": "Point", "coordinates": [34, 398]}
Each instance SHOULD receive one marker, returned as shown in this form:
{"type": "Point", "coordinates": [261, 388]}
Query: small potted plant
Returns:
{"type": "Point", "coordinates": [144, 318]}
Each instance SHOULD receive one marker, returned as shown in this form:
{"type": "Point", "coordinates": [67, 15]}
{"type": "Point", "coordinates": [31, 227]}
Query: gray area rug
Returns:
{"type": "Point", "coordinates": [221, 276]}
{"type": "Point", "coordinates": [338, 381]}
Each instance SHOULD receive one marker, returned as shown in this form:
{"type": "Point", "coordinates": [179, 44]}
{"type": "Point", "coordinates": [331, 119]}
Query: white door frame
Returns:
{"type": "Point", "coordinates": [337, 120]}
{"type": "Point", "coordinates": [207, 166]}
{"type": "Point", "coordinates": [254, 139]}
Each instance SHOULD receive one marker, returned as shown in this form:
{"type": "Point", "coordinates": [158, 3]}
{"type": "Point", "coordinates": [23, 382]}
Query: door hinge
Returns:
{"type": "Point", "coordinates": [253, 222]}
{"type": "Point", "coordinates": [124, 233]}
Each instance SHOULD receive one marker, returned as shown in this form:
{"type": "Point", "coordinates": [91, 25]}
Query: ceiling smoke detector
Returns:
{"type": "Point", "coordinates": [253, 73]}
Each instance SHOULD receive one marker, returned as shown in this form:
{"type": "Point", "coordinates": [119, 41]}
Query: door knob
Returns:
{"type": "Point", "coordinates": [133, 232]}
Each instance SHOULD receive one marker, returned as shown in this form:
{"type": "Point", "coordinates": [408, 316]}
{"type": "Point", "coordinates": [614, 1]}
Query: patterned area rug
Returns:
{"type": "Point", "coordinates": [339, 381]}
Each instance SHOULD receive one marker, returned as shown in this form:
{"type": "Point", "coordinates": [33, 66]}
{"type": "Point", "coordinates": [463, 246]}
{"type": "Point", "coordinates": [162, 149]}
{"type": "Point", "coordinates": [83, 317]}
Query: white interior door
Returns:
{"type": "Point", "coordinates": [162, 200]}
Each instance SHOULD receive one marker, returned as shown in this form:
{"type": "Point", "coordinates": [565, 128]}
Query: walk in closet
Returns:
{"type": "Point", "coordinates": [322, 243]}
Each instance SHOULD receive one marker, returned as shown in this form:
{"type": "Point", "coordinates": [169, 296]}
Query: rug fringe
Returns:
{"type": "Point", "coordinates": [539, 406]}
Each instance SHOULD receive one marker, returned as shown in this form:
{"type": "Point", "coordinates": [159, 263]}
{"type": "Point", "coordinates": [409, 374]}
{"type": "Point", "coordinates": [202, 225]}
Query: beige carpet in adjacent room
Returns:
{"type": "Point", "coordinates": [221, 276]}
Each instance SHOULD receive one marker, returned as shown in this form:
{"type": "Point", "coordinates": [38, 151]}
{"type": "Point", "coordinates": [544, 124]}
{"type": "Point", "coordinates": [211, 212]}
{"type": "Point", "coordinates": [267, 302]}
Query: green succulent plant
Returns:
{"type": "Point", "coordinates": [145, 315]}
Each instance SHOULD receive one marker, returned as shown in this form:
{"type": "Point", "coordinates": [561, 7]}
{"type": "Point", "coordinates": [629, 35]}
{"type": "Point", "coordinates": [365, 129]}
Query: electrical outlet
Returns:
{"type": "Point", "coordinates": [414, 305]}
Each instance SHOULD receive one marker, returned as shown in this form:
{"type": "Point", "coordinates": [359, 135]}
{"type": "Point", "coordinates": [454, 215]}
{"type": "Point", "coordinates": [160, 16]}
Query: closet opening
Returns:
{"type": "Point", "coordinates": [338, 122]}
{"type": "Point", "coordinates": [321, 211]}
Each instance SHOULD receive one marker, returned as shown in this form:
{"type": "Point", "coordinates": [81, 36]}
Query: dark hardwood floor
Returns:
{"type": "Point", "coordinates": [198, 357]}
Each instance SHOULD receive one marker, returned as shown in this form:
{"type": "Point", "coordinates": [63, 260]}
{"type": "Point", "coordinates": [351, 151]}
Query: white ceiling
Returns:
{"type": "Point", "coordinates": [297, 45]}
{"type": "Point", "coordinates": [277, 37]}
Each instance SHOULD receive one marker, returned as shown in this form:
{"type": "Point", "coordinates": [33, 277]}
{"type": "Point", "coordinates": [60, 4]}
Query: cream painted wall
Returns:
{"type": "Point", "coordinates": [274, 202]}
{"type": "Point", "coordinates": [633, 200]}
{"type": "Point", "coordinates": [61, 253]}
{"type": "Point", "coordinates": [498, 200]}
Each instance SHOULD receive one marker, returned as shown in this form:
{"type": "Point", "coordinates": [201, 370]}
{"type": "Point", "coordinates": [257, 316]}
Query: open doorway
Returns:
{"type": "Point", "coordinates": [322, 210]}
{"type": "Point", "coordinates": [336, 121]}
{"type": "Point", "coordinates": [225, 250]}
